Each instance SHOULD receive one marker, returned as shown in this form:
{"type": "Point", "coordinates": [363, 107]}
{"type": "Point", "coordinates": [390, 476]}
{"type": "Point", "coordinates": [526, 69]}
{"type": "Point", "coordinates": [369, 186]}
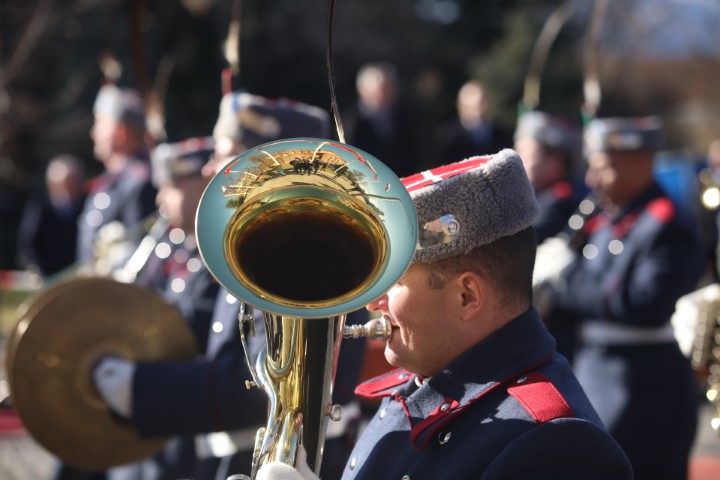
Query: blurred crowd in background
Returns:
{"type": "Point", "coordinates": [419, 83]}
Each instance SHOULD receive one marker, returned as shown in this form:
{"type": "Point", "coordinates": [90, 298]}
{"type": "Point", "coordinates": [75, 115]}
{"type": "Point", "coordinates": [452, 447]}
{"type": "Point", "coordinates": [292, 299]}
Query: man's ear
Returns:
{"type": "Point", "coordinates": [471, 294]}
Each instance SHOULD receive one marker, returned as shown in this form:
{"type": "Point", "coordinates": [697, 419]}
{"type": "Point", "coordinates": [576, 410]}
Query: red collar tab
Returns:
{"type": "Point", "coordinates": [436, 419]}
{"type": "Point", "coordinates": [383, 385]}
{"type": "Point", "coordinates": [540, 397]}
{"type": "Point", "coordinates": [423, 432]}
{"type": "Point", "coordinates": [429, 177]}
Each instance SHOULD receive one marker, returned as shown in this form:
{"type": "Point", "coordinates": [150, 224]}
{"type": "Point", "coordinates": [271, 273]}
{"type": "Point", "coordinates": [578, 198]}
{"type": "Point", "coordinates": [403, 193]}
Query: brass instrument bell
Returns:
{"type": "Point", "coordinates": [305, 230]}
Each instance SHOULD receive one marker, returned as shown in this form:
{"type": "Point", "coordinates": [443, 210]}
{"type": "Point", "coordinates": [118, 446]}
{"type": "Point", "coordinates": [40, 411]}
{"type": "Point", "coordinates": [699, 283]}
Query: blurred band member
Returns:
{"type": "Point", "coordinates": [123, 195]}
{"type": "Point", "coordinates": [640, 254]}
{"type": "Point", "coordinates": [550, 149]}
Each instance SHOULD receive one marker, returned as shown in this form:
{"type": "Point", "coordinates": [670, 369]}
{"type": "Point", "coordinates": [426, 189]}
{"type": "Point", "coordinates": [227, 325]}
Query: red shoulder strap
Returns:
{"type": "Point", "coordinates": [662, 209]}
{"type": "Point", "coordinates": [540, 397]}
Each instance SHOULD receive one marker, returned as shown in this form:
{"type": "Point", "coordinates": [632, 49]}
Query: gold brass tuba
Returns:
{"type": "Point", "coordinates": [305, 230]}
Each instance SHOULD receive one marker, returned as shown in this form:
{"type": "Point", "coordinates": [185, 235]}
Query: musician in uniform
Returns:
{"type": "Point", "coordinates": [123, 195]}
{"type": "Point", "coordinates": [207, 397]}
{"type": "Point", "coordinates": [551, 148]}
{"type": "Point", "coordinates": [639, 255]}
{"type": "Point", "coordinates": [479, 391]}
{"type": "Point", "coordinates": [175, 269]}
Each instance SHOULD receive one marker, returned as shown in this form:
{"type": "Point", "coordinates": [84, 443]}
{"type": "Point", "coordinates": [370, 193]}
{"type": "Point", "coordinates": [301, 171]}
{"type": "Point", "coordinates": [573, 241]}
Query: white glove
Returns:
{"type": "Point", "coordinates": [113, 378]}
{"type": "Point", "coordinates": [282, 471]}
{"type": "Point", "coordinates": [553, 256]}
{"type": "Point", "coordinates": [694, 317]}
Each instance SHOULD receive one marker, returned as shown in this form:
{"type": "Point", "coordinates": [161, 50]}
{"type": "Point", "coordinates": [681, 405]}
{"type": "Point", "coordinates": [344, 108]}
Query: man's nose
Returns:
{"type": "Point", "coordinates": [377, 304]}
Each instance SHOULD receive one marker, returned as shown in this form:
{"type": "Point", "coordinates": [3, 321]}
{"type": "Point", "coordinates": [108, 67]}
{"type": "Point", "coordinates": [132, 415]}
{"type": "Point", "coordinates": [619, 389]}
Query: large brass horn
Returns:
{"type": "Point", "coordinates": [305, 230]}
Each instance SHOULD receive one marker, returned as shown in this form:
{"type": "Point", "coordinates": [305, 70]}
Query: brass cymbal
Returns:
{"type": "Point", "coordinates": [27, 310]}
{"type": "Point", "coordinates": [73, 326]}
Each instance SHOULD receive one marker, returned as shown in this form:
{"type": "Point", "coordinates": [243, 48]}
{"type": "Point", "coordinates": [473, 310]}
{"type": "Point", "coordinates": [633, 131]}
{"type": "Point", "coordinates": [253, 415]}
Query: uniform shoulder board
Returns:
{"type": "Point", "coordinates": [540, 397]}
{"type": "Point", "coordinates": [662, 209]}
{"type": "Point", "coordinates": [96, 184]}
{"type": "Point", "coordinates": [383, 385]}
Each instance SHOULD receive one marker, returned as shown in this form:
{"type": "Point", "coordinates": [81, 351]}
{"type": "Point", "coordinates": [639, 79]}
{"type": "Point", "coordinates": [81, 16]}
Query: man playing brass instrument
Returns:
{"type": "Point", "coordinates": [479, 391]}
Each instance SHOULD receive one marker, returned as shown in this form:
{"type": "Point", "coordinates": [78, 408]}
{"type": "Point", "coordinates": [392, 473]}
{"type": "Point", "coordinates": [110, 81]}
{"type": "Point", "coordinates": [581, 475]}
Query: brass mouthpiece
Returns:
{"type": "Point", "coordinates": [378, 329]}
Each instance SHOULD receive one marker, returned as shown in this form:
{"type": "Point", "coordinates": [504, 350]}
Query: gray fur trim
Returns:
{"type": "Point", "coordinates": [491, 201]}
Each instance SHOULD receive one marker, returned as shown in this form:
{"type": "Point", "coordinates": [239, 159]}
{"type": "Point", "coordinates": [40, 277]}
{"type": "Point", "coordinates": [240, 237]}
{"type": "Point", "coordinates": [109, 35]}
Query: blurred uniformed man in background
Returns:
{"type": "Point", "coordinates": [639, 255]}
{"type": "Point", "coordinates": [123, 195]}
{"type": "Point", "coordinates": [207, 397]}
{"type": "Point", "coordinates": [479, 391]}
{"type": "Point", "coordinates": [551, 150]}
{"type": "Point", "coordinates": [175, 269]}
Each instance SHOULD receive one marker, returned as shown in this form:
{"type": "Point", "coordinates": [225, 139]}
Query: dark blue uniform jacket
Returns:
{"type": "Point", "coordinates": [635, 266]}
{"type": "Point", "coordinates": [508, 408]}
{"type": "Point", "coordinates": [628, 276]}
{"type": "Point", "coordinates": [211, 388]}
{"type": "Point", "coordinates": [557, 203]}
{"type": "Point", "coordinates": [127, 197]}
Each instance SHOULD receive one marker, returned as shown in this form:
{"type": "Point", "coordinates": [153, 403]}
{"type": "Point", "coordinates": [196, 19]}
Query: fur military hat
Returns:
{"type": "Point", "coordinates": [253, 120]}
{"type": "Point", "coordinates": [172, 161]}
{"type": "Point", "coordinates": [470, 203]}
{"type": "Point", "coordinates": [551, 131]}
{"type": "Point", "coordinates": [122, 104]}
{"type": "Point", "coordinates": [631, 134]}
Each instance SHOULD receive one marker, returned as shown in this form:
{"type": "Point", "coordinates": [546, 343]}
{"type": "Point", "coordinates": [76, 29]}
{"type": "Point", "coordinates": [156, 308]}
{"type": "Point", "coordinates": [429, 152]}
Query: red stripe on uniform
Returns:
{"type": "Point", "coordinates": [429, 177]}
